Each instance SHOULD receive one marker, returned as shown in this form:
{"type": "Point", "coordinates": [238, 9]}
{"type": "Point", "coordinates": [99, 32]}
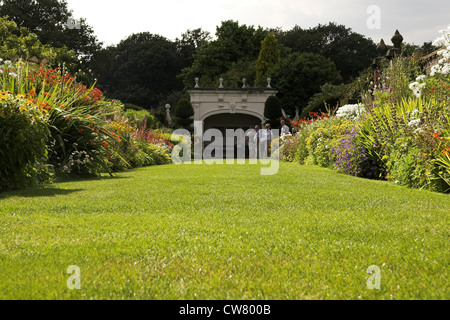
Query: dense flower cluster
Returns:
{"type": "Point", "coordinates": [401, 133]}
{"type": "Point", "coordinates": [443, 65]}
{"type": "Point", "coordinates": [51, 124]}
{"type": "Point", "coordinates": [351, 111]}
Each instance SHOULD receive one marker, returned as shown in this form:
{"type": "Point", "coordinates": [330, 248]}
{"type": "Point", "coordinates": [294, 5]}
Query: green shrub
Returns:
{"type": "Point", "coordinates": [141, 118]}
{"type": "Point", "coordinates": [130, 106]}
{"type": "Point", "coordinates": [272, 111]}
{"type": "Point", "coordinates": [183, 114]}
{"type": "Point", "coordinates": [329, 97]}
{"type": "Point", "coordinates": [23, 135]}
{"type": "Point", "coordinates": [78, 143]}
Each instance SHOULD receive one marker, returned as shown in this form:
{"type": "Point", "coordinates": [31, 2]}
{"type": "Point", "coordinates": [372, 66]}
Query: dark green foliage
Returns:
{"type": "Point", "coordinates": [48, 20]}
{"type": "Point", "coordinates": [234, 43]}
{"type": "Point", "coordinates": [268, 58]}
{"type": "Point", "coordinates": [18, 42]}
{"type": "Point", "coordinates": [132, 107]}
{"type": "Point", "coordinates": [350, 51]}
{"type": "Point", "coordinates": [190, 42]}
{"type": "Point", "coordinates": [272, 108]}
{"type": "Point", "coordinates": [23, 136]}
{"type": "Point", "coordinates": [299, 76]}
{"type": "Point", "coordinates": [329, 97]}
{"type": "Point", "coordinates": [183, 114]}
{"type": "Point", "coordinates": [144, 70]}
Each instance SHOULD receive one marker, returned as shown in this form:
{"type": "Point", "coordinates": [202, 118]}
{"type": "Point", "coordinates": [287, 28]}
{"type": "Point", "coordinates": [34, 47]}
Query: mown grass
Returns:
{"type": "Point", "coordinates": [224, 232]}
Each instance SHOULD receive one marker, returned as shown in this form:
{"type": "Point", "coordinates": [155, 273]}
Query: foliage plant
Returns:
{"type": "Point", "coordinates": [23, 134]}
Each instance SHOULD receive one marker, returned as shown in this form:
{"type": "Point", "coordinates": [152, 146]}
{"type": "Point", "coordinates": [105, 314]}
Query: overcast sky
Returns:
{"type": "Point", "coordinates": [115, 20]}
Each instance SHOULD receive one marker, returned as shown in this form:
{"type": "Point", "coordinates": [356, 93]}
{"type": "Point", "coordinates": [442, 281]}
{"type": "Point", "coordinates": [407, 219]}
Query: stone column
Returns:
{"type": "Point", "coordinates": [168, 117]}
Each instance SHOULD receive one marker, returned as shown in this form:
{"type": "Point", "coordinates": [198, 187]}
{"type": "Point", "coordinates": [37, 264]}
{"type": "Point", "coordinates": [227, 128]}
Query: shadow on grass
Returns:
{"type": "Point", "coordinates": [61, 179]}
{"type": "Point", "coordinates": [52, 190]}
{"type": "Point", "coordinates": [38, 192]}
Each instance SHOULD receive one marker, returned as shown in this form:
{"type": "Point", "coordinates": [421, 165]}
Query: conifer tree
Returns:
{"type": "Point", "coordinates": [268, 58]}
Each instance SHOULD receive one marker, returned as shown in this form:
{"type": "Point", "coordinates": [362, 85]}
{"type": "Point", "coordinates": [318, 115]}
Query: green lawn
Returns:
{"type": "Point", "coordinates": [224, 232]}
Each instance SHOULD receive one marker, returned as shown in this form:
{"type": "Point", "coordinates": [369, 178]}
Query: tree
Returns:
{"type": "Point", "coordinates": [48, 20]}
{"type": "Point", "coordinates": [183, 114]}
{"type": "Point", "coordinates": [268, 58]}
{"type": "Point", "coordinates": [272, 111]}
{"type": "Point", "coordinates": [190, 42]}
{"type": "Point", "coordinates": [144, 71]}
{"type": "Point", "coordinates": [350, 51]}
{"type": "Point", "coordinates": [20, 43]}
{"type": "Point", "coordinates": [234, 43]}
{"type": "Point", "coordinates": [299, 76]}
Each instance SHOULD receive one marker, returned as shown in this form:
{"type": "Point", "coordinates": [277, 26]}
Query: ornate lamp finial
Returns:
{"type": "Point", "coordinates": [196, 83]}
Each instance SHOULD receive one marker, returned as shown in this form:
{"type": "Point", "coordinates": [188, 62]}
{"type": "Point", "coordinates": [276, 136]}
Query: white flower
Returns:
{"type": "Point", "coordinates": [350, 111]}
{"type": "Point", "coordinates": [421, 77]}
{"type": "Point", "coordinates": [414, 123]}
{"type": "Point", "coordinates": [413, 85]}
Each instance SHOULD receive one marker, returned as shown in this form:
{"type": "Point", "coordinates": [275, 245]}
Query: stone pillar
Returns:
{"type": "Point", "coordinates": [168, 117]}
{"type": "Point", "coordinates": [397, 40]}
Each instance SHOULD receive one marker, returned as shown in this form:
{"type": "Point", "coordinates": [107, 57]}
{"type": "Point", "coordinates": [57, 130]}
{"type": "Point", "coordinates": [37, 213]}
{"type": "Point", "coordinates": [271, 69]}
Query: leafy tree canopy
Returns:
{"type": "Point", "coordinates": [20, 43]}
{"type": "Point", "coordinates": [268, 58]}
{"type": "Point", "coordinates": [48, 20]}
{"type": "Point", "coordinates": [299, 76]}
{"type": "Point", "coordinates": [141, 69]}
{"type": "Point", "coordinates": [350, 51]}
{"type": "Point", "coordinates": [234, 43]}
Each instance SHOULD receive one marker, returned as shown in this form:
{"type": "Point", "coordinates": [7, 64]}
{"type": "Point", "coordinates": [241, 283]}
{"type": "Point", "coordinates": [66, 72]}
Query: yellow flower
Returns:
{"type": "Point", "coordinates": [23, 109]}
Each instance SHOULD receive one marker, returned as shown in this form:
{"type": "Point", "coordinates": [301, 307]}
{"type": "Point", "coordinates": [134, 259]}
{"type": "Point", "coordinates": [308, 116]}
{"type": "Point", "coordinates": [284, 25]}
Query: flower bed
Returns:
{"type": "Point", "coordinates": [53, 125]}
{"type": "Point", "coordinates": [402, 136]}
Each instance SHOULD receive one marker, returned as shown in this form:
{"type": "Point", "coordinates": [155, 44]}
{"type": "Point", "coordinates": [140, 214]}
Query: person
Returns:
{"type": "Point", "coordinates": [249, 139]}
{"type": "Point", "coordinates": [256, 140]}
{"type": "Point", "coordinates": [267, 139]}
{"type": "Point", "coordinates": [284, 128]}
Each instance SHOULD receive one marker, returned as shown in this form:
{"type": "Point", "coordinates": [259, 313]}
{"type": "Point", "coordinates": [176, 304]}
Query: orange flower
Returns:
{"type": "Point", "coordinates": [436, 135]}
{"type": "Point", "coordinates": [32, 92]}
{"type": "Point", "coordinates": [92, 143]}
{"type": "Point", "coordinates": [67, 117]}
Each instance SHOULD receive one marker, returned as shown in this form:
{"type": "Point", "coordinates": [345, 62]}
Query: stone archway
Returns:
{"type": "Point", "coordinates": [224, 108]}
{"type": "Point", "coordinates": [237, 104]}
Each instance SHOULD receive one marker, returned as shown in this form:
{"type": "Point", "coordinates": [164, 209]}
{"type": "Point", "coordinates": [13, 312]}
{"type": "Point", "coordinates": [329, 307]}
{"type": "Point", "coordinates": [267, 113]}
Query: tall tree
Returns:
{"type": "Point", "coordinates": [19, 42]}
{"type": "Point", "coordinates": [299, 76]}
{"type": "Point", "coordinates": [350, 51]}
{"type": "Point", "coordinates": [145, 67]}
{"type": "Point", "coordinates": [48, 19]}
{"type": "Point", "coordinates": [190, 42]}
{"type": "Point", "coordinates": [234, 43]}
{"type": "Point", "coordinates": [268, 58]}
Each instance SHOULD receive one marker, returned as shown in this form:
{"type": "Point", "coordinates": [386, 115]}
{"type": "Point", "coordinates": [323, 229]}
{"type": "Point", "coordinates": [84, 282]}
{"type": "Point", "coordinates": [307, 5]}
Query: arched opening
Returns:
{"type": "Point", "coordinates": [223, 121]}
{"type": "Point", "coordinates": [234, 121]}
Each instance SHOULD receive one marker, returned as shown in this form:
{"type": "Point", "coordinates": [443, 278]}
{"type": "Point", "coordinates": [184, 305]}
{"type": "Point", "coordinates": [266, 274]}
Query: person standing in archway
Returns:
{"type": "Point", "coordinates": [267, 140]}
{"type": "Point", "coordinates": [256, 140]}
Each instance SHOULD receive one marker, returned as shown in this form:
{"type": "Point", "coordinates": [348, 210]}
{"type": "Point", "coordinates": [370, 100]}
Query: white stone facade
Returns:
{"type": "Point", "coordinates": [230, 104]}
